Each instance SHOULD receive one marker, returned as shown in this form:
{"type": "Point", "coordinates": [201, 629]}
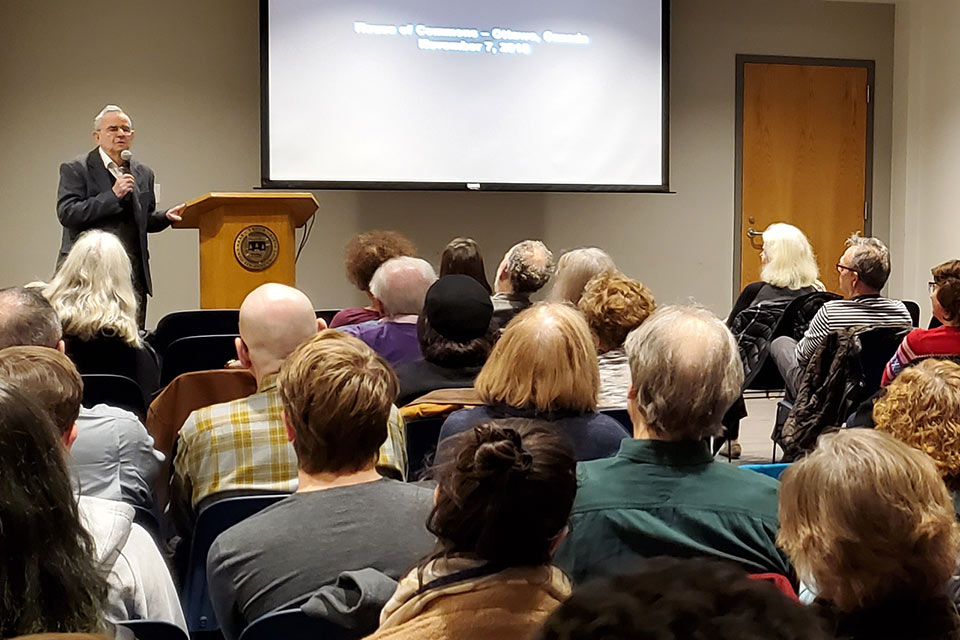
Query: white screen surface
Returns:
{"type": "Point", "coordinates": [521, 92]}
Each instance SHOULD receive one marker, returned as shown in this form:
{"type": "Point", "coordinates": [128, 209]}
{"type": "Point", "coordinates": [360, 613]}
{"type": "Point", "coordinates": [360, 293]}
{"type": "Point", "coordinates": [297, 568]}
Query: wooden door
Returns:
{"type": "Point", "coordinates": [803, 157]}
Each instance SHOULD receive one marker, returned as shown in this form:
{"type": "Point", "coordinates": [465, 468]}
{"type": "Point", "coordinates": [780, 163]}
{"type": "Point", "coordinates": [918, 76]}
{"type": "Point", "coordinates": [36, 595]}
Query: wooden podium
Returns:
{"type": "Point", "coordinates": [246, 239]}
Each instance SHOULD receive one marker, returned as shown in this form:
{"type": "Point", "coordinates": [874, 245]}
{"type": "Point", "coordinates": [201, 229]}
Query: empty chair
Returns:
{"type": "Point", "coordinates": [196, 322]}
{"type": "Point", "coordinates": [116, 391]}
{"type": "Point", "coordinates": [197, 353]}
{"type": "Point", "coordinates": [914, 310]}
{"type": "Point", "coordinates": [213, 520]}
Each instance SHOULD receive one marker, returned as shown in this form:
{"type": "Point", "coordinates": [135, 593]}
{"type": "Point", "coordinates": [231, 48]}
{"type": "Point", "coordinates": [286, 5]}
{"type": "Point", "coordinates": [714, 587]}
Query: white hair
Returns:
{"type": "Point", "coordinates": [401, 283]}
{"type": "Point", "coordinates": [110, 108]}
{"type": "Point", "coordinates": [575, 269]}
{"type": "Point", "coordinates": [790, 260]}
{"type": "Point", "coordinates": [92, 292]}
{"type": "Point", "coordinates": [686, 371]}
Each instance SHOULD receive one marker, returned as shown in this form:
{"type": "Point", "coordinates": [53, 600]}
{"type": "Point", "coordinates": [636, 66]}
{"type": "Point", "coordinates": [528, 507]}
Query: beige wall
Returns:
{"type": "Point", "coordinates": [925, 221]}
{"type": "Point", "coordinates": [187, 71]}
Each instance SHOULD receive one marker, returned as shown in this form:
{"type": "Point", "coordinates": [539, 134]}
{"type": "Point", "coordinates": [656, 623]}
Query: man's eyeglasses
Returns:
{"type": "Point", "coordinates": [842, 267]}
{"type": "Point", "coordinates": [932, 286]}
{"type": "Point", "coordinates": [114, 129]}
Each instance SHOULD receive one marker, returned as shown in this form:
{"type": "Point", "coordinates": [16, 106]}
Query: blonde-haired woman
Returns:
{"type": "Point", "coordinates": [921, 407]}
{"type": "Point", "coordinates": [788, 270]}
{"type": "Point", "coordinates": [92, 293]}
{"type": "Point", "coordinates": [545, 366]}
{"type": "Point", "coordinates": [869, 524]}
{"type": "Point", "coordinates": [575, 269]}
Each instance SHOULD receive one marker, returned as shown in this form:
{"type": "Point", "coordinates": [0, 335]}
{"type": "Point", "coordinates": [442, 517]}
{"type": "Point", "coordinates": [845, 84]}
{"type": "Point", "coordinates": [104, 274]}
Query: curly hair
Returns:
{"type": "Point", "coordinates": [673, 598]}
{"type": "Point", "coordinates": [614, 305]}
{"type": "Point", "coordinates": [450, 353]}
{"type": "Point", "coordinates": [92, 291]}
{"type": "Point", "coordinates": [946, 277]}
{"type": "Point", "coordinates": [865, 517]}
{"type": "Point", "coordinates": [529, 264]}
{"type": "Point", "coordinates": [921, 407]}
{"type": "Point", "coordinates": [367, 251]}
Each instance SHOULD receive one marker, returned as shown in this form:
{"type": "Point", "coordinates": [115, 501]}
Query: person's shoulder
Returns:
{"type": "Point", "coordinates": [609, 424]}
{"type": "Point", "coordinates": [78, 160]}
{"type": "Point", "coordinates": [109, 411]}
{"type": "Point", "coordinates": [216, 415]}
{"type": "Point", "coordinates": [753, 488]}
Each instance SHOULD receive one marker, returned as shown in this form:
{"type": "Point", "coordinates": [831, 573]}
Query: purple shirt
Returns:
{"type": "Point", "coordinates": [397, 342]}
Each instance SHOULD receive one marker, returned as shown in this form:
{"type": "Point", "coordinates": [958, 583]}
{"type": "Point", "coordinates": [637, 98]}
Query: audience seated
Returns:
{"type": "Point", "coordinates": [139, 583]}
{"type": "Point", "coordinates": [868, 522]}
{"type": "Point", "coordinates": [575, 269]}
{"type": "Point", "coordinates": [336, 395]}
{"type": "Point", "coordinates": [921, 407]}
{"type": "Point", "coordinates": [92, 293]}
{"type": "Point", "coordinates": [663, 494]}
{"type": "Point", "coordinates": [940, 341]}
{"type": "Point", "coordinates": [463, 256]}
{"type": "Point", "coordinates": [614, 305]}
{"type": "Point", "coordinates": [674, 599]}
{"type": "Point", "coordinates": [501, 507]}
{"type": "Point", "coordinates": [525, 268]}
{"type": "Point", "coordinates": [545, 367]}
{"type": "Point", "coordinates": [863, 268]}
{"type": "Point", "coordinates": [50, 578]}
{"type": "Point", "coordinates": [365, 253]}
{"type": "Point", "coordinates": [455, 338]}
{"type": "Point", "coordinates": [398, 289]}
{"type": "Point", "coordinates": [113, 456]}
{"type": "Point", "coordinates": [241, 446]}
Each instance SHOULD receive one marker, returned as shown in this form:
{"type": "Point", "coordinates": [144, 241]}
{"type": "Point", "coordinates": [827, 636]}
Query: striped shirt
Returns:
{"type": "Point", "coordinates": [862, 311]}
{"type": "Point", "coordinates": [243, 445]}
{"type": "Point", "coordinates": [922, 343]}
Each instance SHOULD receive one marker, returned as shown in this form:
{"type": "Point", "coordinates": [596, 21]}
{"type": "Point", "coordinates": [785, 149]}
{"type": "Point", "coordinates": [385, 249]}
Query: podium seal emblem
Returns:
{"type": "Point", "coordinates": [256, 247]}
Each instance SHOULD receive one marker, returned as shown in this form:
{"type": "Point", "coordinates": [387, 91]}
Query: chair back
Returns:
{"type": "Point", "coordinates": [213, 520]}
{"type": "Point", "coordinates": [114, 390]}
{"type": "Point", "coordinates": [327, 314]}
{"type": "Point", "coordinates": [877, 346]}
{"type": "Point", "coordinates": [197, 353]}
{"type": "Point", "coordinates": [154, 630]}
{"type": "Point", "coordinates": [294, 624]}
{"type": "Point", "coordinates": [772, 470]}
{"type": "Point", "coordinates": [422, 436]}
{"type": "Point", "coordinates": [914, 310]}
{"type": "Point", "coordinates": [195, 322]}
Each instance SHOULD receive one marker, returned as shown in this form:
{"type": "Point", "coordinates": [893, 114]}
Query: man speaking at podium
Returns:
{"type": "Point", "coordinates": [107, 189]}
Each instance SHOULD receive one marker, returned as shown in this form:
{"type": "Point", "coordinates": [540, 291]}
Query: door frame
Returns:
{"type": "Point", "coordinates": [741, 61]}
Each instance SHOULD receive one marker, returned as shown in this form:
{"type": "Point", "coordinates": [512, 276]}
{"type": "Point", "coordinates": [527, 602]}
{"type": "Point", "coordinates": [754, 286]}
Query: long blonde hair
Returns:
{"type": "Point", "coordinates": [790, 259]}
{"type": "Point", "coordinates": [92, 292]}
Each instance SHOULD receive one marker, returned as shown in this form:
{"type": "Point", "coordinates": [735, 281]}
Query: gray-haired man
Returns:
{"type": "Point", "coordinates": [525, 268]}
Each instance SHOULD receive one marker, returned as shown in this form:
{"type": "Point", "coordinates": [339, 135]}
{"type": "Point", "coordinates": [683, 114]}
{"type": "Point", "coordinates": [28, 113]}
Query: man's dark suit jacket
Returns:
{"type": "Point", "coordinates": [85, 200]}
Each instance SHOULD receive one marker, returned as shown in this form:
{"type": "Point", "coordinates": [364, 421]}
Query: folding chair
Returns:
{"type": "Point", "coordinates": [196, 353]}
{"type": "Point", "coordinates": [116, 391]}
{"type": "Point", "coordinates": [195, 322]}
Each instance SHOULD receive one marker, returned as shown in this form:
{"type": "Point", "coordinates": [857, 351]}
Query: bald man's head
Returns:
{"type": "Point", "coordinates": [274, 320]}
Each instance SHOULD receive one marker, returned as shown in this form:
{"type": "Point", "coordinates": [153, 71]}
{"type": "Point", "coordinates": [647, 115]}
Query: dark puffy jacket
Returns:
{"type": "Point", "coordinates": [754, 329]}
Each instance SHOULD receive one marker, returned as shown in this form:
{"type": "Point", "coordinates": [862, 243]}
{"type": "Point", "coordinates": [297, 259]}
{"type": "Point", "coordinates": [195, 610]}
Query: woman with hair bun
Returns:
{"type": "Point", "coordinates": [501, 508]}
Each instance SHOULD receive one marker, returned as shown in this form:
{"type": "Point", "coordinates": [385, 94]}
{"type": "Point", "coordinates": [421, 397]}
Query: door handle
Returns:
{"type": "Point", "coordinates": [753, 234]}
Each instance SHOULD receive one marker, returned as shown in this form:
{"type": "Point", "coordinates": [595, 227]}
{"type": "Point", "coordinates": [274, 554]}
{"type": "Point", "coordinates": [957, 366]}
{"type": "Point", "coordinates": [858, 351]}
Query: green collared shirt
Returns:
{"type": "Point", "coordinates": [658, 498]}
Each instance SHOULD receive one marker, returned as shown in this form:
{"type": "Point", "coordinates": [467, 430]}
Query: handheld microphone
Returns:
{"type": "Point", "coordinates": [125, 155]}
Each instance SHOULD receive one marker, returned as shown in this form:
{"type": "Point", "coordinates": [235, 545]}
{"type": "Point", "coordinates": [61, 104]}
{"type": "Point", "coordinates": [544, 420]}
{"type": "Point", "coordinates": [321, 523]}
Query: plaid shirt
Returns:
{"type": "Point", "coordinates": [243, 445]}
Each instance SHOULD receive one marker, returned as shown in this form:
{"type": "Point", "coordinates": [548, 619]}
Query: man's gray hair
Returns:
{"type": "Point", "coordinates": [27, 319]}
{"type": "Point", "coordinates": [529, 266]}
{"type": "Point", "coordinates": [401, 283]}
{"type": "Point", "coordinates": [686, 370]}
{"type": "Point", "coordinates": [110, 108]}
{"type": "Point", "coordinates": [871, 260]}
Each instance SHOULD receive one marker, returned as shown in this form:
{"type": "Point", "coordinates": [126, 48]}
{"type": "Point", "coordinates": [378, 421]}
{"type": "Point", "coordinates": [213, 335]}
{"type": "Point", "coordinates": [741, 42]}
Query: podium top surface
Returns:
{"type": "Point", "coordinates": [298, 205]}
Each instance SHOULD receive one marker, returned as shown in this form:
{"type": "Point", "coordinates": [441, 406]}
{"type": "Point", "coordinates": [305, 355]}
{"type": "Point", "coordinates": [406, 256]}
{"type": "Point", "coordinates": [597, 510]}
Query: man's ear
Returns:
{"type": "Point", "coordinates": [70, 436]}
{"type": "Point", "coordinates": [62, 346]}
{"type": "Point", "coordinates": [243, 353]}
{"type": "Point", "coordinates": [291, 434]}
{"type": "Point", "coordinates": [96, 137]}
{"type": "Point", "coordinates": [321, 324]}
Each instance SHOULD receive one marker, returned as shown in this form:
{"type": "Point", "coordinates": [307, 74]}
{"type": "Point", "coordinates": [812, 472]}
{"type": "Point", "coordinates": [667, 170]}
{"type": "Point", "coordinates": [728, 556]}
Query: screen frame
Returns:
{"type": "Point", "coordinates": [363, 185]}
